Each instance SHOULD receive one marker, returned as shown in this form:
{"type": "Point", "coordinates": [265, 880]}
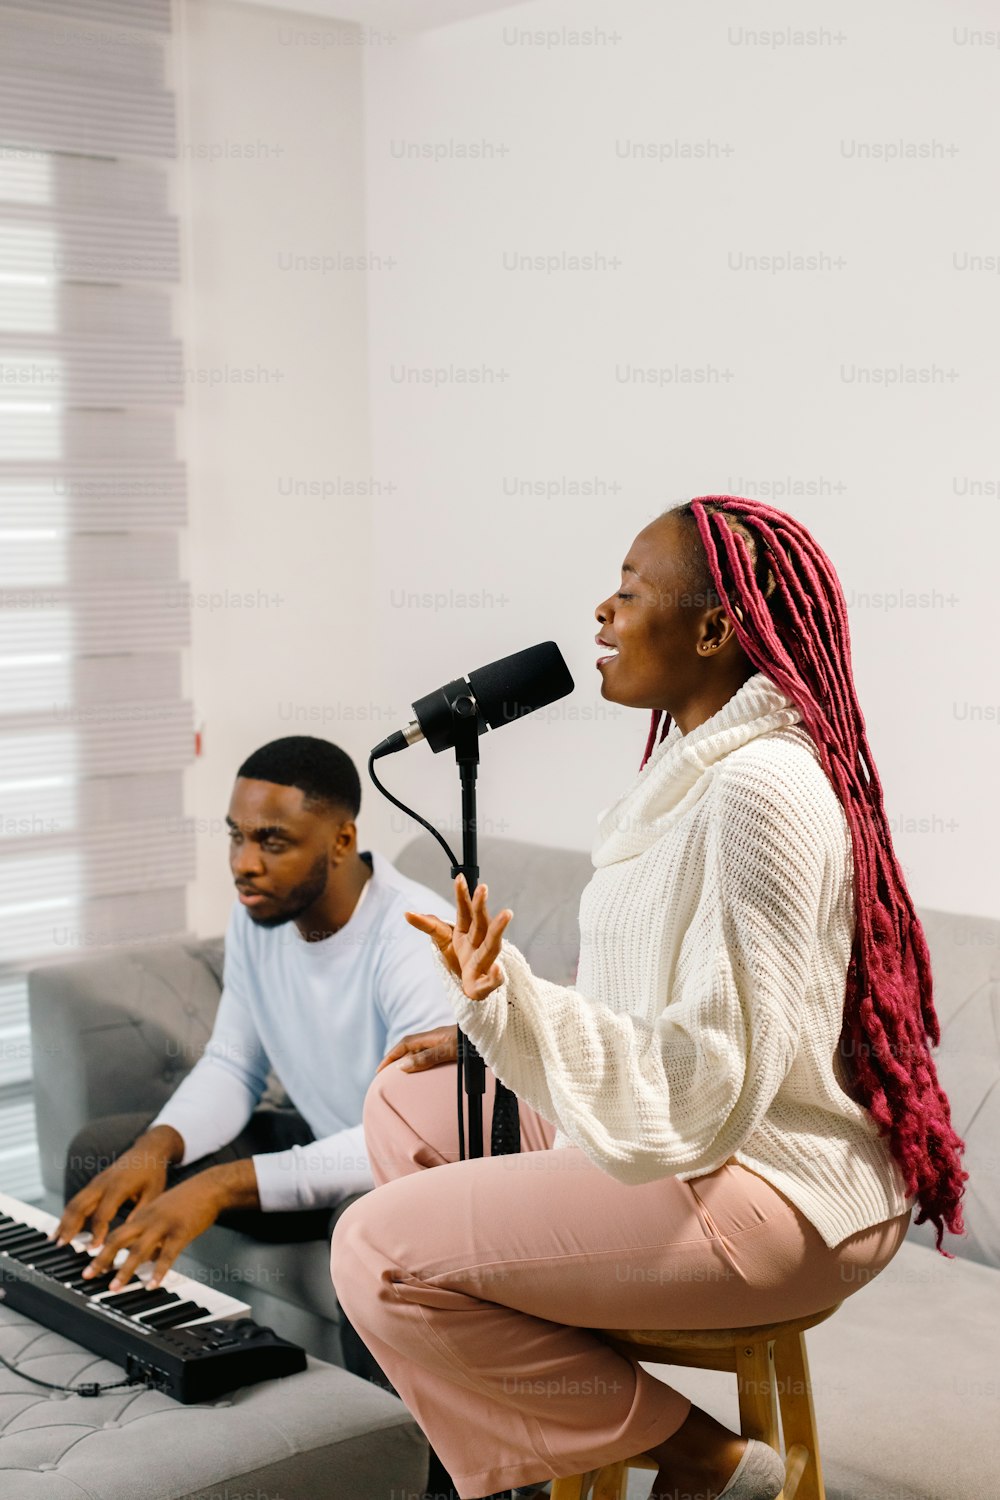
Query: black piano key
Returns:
{"type": "Point", "coordinates": [64, 1271]}
{"type": "Point", "coordinates": [77, 1257]}
{"type": "Point", "coordinates": [19, 1236]}
{"type": "Point", "coordinates": [160, 1298]}
{"type": "Point", "coordinates": [95, 1284]}
{"type": "Point", "coordinates": [140, 1301]}
{"type": "Point", "coordinates": [58, 1255]}
{"type": "Point", "coordinates": [81, 1283]}
{"type": "Point", "coordinates": [25, 1250]}
{"type": "Point", "coordinates": [59, 1270]}
{"type": "Point", "coordinates": [171, 1317]}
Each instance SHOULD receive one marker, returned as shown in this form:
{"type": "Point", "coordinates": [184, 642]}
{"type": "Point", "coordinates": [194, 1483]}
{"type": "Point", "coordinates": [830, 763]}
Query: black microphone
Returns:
{"type": "Point", "coordinates": [505, 690]}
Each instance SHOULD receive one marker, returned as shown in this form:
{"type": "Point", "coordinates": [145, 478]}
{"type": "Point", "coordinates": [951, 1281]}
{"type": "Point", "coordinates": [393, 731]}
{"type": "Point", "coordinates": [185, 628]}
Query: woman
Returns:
{"type": "Point", "coordinates": [744, 1103]}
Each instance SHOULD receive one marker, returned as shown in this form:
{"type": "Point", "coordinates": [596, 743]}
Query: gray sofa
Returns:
{"type": "Point", "coordinates": [116, 1032]}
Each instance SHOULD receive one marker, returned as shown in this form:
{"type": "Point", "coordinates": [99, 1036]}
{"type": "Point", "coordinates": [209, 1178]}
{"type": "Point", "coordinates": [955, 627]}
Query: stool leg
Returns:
{"type": "Point", "coordinates": [798, 1418]}
{"type": "Point", "coordinates": [574, 1487]}
{"type": "Point", "coordinates": [758, 1403]}
{"type": "Point", "coordinates": [612, 1482]}
{"type": "Point", "coordinates": [609, 1483]}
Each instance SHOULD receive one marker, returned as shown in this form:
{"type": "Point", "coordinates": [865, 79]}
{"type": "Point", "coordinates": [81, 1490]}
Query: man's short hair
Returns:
{"type": "Point", "coordinates": [322, 771]}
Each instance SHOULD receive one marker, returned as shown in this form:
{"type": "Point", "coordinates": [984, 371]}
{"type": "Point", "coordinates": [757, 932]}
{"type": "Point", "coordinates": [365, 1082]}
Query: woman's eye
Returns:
{"type": "Point", "coordinates": [623, 596]}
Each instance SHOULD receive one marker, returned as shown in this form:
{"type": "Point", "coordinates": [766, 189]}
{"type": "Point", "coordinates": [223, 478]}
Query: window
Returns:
{"type": "Point", "coordinates": [94, 732]}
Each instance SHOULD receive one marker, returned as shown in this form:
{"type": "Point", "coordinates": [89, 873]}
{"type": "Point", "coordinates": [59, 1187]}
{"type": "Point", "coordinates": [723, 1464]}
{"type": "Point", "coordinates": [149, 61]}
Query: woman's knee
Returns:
{"type": "Point", "coordinates": [376, 1100]}
{"type": "Point", "coordinates": [356, 1243]}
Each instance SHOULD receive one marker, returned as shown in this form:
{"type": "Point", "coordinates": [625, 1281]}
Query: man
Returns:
{"type": "Point", "coordinates": [323, 976]}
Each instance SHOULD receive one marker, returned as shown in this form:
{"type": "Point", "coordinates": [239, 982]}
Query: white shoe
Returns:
{"type": "Point", "coordinates": [759, 1475]}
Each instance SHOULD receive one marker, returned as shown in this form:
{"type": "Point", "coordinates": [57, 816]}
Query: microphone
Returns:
{"type": "Point", "coordinates": [498, 693]}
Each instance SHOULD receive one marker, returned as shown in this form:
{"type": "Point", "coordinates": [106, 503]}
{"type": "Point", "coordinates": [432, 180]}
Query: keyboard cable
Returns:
{"type": "Point", "coordinates": [91, 1388]}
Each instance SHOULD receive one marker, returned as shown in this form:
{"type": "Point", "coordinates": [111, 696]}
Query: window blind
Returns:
{"type": "Point", "coordinates": [94, 730]}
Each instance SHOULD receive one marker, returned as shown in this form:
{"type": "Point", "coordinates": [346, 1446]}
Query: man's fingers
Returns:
{"type": "Point", "coordinates": [169, 1252]}
{"type": "Point", "coordinates": [75, 1215]}
{"type": "Point", "coordinates": [399, 1050]}
{"type": "Point", "coordinates": [427, 1057]}
{"type": "Point", "coordinates": [102, 1261]}
{"type": "Point", "coordinates": [102, 1216]}
{"type": "Point", "coordinates": [144, 1249]}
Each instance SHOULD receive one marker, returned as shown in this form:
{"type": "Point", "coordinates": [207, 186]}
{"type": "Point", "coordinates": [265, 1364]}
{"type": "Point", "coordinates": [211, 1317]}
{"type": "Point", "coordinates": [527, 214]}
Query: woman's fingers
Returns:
{"type": "Point", "coordinates": [438, 930]}
{"type": "Point", "coordinates": [490, 948]}
{"type": "Point", "coordinates": [472, 915]}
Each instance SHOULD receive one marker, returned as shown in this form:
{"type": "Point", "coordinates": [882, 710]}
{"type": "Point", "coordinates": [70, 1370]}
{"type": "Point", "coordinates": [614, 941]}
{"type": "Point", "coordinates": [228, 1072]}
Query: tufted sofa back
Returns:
{"type": "Point", "coordinates": [115, 1032]}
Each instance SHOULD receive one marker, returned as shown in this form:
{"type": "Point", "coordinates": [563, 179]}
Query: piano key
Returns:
{"type": "Point", "coordinates": [19, 1218]}
{"type": "Point", "coordinates": [64, 1270]}
{"type": "Point", "coordinates": [172, 1317]}
{"type": "Point", "coordinates": [76, 1261]}
{"type": "Point", "coordinates": [22, 1235]}
{"type": "Point", "coordinates": [141, 1300]}
{"type": "Point", "coordinates": [94, 1285]}
{"type": "Point", "coordinates": [25, 1250]}
{"type": "Point", "coordinates": [58, 1255]}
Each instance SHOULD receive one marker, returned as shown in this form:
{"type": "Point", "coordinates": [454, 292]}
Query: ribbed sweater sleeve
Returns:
{"type": "Point", "coordinates": [676, 1093]}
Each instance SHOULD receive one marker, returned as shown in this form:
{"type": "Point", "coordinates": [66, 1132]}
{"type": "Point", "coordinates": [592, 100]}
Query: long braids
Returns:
{"type": "Point", "coordinates": [800, 640]}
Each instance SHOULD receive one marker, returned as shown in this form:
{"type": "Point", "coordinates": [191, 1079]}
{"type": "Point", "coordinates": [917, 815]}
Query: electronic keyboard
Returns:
{"type": "Point", "coordinates": [183, 1338]}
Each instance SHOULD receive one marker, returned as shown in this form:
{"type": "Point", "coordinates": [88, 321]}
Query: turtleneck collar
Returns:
{"type": "Point", "coordinates": [662, 789]}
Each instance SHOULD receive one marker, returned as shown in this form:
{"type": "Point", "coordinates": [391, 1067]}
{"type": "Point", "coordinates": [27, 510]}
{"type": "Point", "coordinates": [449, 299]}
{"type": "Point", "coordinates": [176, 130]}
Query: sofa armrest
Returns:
{"type": "Point", "coordinates": [115, 1033]}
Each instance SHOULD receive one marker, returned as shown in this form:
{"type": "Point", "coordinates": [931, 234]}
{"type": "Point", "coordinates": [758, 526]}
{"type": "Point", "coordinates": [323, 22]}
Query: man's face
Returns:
{"type": "Point", "coordinates": [279, 850]}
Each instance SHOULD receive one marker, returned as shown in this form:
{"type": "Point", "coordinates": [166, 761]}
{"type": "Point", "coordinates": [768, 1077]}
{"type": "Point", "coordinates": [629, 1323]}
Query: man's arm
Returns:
{"type": "Point", "coordinates": [409, 998]}
{"type": "Point", "coordinates": [319, 1175]}
{"type": "Point", "coordinates": [209, 1108]}
{"type": "Point", "coordinates": [214, 1102]}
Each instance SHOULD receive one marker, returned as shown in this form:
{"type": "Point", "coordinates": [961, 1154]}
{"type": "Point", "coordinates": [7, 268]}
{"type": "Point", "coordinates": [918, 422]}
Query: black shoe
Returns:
{"type": "Point", "coordinates": [359, 1360]}
{"type": "Point", "coordinates": [439, 1485]}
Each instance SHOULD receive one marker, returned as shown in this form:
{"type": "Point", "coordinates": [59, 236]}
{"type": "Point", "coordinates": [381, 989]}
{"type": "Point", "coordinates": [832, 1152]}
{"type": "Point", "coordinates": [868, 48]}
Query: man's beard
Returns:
{"type": "Point", "coordinates": [299, 898]}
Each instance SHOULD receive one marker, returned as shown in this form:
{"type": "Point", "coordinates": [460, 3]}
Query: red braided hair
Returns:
{"type": "Point", "coordinates": [753, 551]}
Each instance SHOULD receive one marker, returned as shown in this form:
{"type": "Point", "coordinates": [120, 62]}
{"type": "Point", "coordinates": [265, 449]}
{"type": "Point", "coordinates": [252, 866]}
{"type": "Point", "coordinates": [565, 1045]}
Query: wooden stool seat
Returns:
{"type": "Point", "coordinates": [772, 1373]}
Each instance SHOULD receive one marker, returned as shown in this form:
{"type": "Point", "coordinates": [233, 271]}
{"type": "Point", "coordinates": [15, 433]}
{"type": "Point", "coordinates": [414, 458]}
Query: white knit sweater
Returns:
{"type": "Point", "coordinates": [715, 937]}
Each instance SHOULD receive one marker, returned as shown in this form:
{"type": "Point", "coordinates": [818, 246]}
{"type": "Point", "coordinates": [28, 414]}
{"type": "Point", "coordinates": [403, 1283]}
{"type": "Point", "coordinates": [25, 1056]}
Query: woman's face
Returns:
{"type": "Point", "coordinates": [672, 649]}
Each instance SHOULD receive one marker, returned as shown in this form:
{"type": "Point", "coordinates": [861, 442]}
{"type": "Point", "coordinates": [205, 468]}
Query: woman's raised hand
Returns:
{"type": "Point", "coordinates": [471, 946]}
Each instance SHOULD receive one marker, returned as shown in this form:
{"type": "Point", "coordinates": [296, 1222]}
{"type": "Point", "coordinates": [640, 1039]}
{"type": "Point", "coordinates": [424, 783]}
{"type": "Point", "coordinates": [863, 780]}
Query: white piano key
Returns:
{"type": "Point", "coordinates": [221, 1307]}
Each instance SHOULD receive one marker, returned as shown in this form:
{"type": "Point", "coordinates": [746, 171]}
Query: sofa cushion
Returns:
{"type": "Point", "coordinates": [321, 1432]}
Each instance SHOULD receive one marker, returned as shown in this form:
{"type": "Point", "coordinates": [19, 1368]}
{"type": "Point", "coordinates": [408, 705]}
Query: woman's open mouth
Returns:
{"type": "Point", "coordinates": [603, 660]}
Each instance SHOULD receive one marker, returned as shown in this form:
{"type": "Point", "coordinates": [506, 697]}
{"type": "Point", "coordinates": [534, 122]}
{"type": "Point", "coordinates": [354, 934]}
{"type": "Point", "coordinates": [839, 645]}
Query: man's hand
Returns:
{"type": "Point", "coordinates": [472, 945]}
{"type": "Point", "coordinates": [159, 1231]}
{"type": "Point", "coordinates": [424, 1049]}
{"type": "Point", "coordinates": [138, 1176]}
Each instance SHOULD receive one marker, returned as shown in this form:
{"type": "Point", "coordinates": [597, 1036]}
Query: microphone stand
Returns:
{"type": "Point", "coordinates": [506, 1132]}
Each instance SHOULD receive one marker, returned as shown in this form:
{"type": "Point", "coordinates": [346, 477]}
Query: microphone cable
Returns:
{"type": "Point", "coordinates": [505, 1127]}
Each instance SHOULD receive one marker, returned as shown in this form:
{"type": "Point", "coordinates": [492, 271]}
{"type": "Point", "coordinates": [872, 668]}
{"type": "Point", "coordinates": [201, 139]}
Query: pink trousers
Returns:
{"type": "Point", "coordinates": [476, 1286]}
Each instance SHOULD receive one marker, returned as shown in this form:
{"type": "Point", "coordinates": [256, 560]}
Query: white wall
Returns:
{"type": "Point", "coordinates": [899, 483]}
{"type": "Point", "coordinates": [886, 478]}
{"type": "Point", "coordinates": [271, 144]}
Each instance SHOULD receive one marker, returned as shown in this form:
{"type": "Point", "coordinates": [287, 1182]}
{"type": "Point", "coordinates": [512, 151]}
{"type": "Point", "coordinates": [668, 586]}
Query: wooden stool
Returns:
{"type": "Point", "coordinates": [768, 1361]}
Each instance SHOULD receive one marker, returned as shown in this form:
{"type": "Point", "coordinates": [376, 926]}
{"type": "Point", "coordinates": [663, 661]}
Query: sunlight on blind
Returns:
{"type": "Point", "coordinates": [94, 732]}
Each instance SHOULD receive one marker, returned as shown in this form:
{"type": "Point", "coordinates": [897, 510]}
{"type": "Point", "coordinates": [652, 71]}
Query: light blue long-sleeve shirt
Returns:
{"type": "Point", "coordinates": [323, 1015]}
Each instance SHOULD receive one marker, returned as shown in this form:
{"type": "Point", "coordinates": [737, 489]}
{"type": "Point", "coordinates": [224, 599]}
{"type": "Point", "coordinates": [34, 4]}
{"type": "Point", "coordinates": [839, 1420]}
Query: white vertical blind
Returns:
{"type": "Point", "coordinates": [94, 734]}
